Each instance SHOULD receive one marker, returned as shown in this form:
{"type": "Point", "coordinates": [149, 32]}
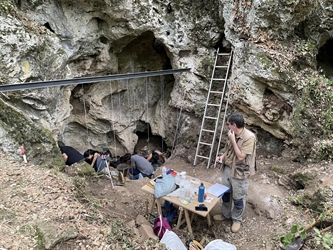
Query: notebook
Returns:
{"type": "Point", "coordinates": [217, 190]}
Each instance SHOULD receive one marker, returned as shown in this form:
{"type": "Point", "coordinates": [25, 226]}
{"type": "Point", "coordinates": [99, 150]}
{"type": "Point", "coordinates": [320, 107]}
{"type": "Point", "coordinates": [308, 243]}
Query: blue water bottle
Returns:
{"type": "Point", "coordinates": [201, 193]}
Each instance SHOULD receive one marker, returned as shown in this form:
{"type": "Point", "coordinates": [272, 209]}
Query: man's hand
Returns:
{"type": "Point", "coordinates": [219, 159]}
{"type": "Point", "coordinates": [231, 135]}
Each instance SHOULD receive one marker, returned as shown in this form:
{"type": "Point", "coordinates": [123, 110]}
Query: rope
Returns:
{"type": "Point", "coordinates": [162, 105]}
{"type": "Point", "coordinates": [178, 120]}
{"type": "Point", "coordinates": [85, 116]}
{"type": "Point", "coordinates": [147, 112]}
{"type": "Point", "coordinates": [132, 67]}
{"type": "Point", "coordinates": [128, 105]}
{"type": "Point", "coordinates": [119, 101]}
{"type": "Point", "coordinates": [134, 102]}
{"type": "Point", "coordinates": [112, 122]}
{"type": "Point", "coordinates": [59, 91]}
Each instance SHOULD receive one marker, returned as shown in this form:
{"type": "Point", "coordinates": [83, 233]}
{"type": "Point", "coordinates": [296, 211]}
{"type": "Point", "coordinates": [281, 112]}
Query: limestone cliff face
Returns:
{"type": "Point", "coordinates": [277, 46]}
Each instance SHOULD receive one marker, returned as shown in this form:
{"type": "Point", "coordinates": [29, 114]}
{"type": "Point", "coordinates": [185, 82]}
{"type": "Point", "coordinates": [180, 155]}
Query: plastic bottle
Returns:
{"type": "Point", "coordinates": [164, 170]}
{"type": "Point", "coordinates": [188, 192]}
{"type": "Point", "coordinates": [182, 193]}
{"type": "Point", "coordinates": [201, 193]}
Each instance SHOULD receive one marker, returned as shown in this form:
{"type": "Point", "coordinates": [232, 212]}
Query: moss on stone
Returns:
{"type": "Point", "coordinates": [81, 169]}
{"type": "Point", "coordinates": [278, 170]}
{"type": "Point", "coordinates": [265, 61]}
{"type": "Point", "coordinates": [38, 142]}
{"type": "Point", "coordinates": [49, 234]}
{"type": "Point", "coordinates": [302, 180]}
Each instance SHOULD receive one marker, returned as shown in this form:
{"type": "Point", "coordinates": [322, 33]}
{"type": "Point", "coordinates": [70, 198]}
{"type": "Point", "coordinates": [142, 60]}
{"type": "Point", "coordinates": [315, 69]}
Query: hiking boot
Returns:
{"type": "Point", "coordinates": [235, 227]}
{"type": "Point", "coordinates": [219, 217]}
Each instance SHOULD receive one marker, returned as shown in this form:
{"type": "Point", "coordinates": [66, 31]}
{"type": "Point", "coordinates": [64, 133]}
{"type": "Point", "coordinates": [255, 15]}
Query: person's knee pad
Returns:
{"type": "Point", "coordinates": [239, 204]}
{"type": "Point", "coordinates": [226, 197]}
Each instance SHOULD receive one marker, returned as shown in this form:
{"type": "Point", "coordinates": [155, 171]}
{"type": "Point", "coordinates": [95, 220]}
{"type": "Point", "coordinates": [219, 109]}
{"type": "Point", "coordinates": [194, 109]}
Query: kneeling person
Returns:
{"type": "Point", "coordinates": [139, 165]}
{"type": "Point", "coordinates": [97, 160]}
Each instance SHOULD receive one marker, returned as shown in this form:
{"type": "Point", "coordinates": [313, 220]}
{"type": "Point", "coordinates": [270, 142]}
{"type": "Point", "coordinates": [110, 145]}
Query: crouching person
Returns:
{"type": "Point", "coordinates": [139, 165]}
{"type": "Point", "coordinates": [97, 160]}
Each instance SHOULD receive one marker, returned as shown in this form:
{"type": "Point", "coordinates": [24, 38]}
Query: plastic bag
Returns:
{"type": "Point", "coordinates": [219, 245]}
{"type": "Point", "coordinates": [172, 241]}
{"type": "Point", "coordinates": [164, 186]}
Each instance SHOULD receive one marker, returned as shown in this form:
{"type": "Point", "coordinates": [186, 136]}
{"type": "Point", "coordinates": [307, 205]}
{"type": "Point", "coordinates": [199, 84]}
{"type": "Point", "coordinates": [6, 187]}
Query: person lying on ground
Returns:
{"type": "Point", "coordinates": [71, 155]}
{"type": "Point", "coordinates": [96, 159]}
{"type": "Point", "coordinates": [139, 165]}
{"type": "Point", "coordinates": [154, 158]}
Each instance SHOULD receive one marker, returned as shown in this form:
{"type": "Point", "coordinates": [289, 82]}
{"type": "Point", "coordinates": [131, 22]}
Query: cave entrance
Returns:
{"type": "Point", "coordinates": [223, 45]}
{"type": "Point", "coordinates": [147, 141]}
{"type": "Point", "coordinates": [325, 59]}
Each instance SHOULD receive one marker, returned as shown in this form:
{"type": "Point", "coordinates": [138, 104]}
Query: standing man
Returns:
{"type": "Point", "coordinates": [238, 164]}
{"type": "Point", "coordinates": [139, 165]}
{"type": "Point", "coordinates": [70, 155]}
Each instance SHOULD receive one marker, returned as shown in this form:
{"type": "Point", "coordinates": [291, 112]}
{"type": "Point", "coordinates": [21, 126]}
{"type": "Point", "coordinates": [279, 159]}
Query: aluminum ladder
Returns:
{"type": "Point", "coordinates": [214, 103]}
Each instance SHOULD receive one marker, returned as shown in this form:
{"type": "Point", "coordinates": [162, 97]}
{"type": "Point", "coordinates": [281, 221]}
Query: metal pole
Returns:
{"type": "Point", "coordinates": [84, 80]}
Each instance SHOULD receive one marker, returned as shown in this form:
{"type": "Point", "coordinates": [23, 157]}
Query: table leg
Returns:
{"type": "Point", "coordinates": [179, 217]}
{"type": "Point", "coordinates": [208, 220]}
{"type": "Point", "coordinates": [152, 205]}
{"type": "Point", "coordinates": [159, 206]}
{"type": "Point", "coordinates": [188, 221]}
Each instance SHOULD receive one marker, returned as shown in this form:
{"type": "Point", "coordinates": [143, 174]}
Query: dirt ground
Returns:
{"type": "Point", "coordinates": [100, 215]}
{"type": "Point", "coordinates": [257, 232]}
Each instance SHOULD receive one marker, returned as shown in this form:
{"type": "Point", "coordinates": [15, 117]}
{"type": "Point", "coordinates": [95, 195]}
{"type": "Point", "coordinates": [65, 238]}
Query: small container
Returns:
{"type": "Point", "coordinates": [182, 194]}
{"type": "Point", "coordinates": [164, 170]}
{"type": "Point", "coordinates": [201, 193]}
{"type": "Point", "coordinates": [185, 191]}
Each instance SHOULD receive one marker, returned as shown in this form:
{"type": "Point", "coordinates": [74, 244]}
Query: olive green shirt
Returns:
{"type": "Point", "coordinates": [246, 143]}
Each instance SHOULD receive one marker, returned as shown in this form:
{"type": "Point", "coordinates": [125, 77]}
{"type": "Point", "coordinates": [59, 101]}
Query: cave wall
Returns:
{"type": "Point", "coordinates": [46, 40]}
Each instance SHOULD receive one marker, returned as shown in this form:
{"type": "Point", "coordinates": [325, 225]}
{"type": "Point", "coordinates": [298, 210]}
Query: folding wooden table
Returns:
{"type": "Point", "coordinates": [186, 208]}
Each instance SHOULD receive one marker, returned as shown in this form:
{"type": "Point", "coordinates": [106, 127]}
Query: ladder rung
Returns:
{"type": "Point", "coordinates": [201, 156]}
{"type": "Point", "coordinates": [216, 92]}
{"type": "Point", "coordinates": [207, 130]}
{"type": "Point", "coordinates": [210, 117]}
{"type": "Point", "coordinates": [218, 79]}
{"type": "Point", "coordinates": [212, 104]}
{"type": "Point", "coordinates": [205, 143]}
{"type": "Point", "coordinates": [224, 54]}
{"type": "Point", "coordinates": [222, 67]}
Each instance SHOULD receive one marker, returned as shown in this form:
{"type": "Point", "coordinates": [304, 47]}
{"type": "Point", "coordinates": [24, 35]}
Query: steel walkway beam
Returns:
{"type": "Point", "coordinates": [84, 80]}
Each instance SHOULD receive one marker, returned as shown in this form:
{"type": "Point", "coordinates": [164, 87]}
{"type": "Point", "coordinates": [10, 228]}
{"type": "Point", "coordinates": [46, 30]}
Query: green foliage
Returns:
{"type": "Point", "coordinates": [79, 187]}
{"type": "Point", "coordinates": [308, 48]}
{"type": "Point", "coordinates": [317, 95]}
{"type": "Point", "coordinates": [326, 239]}
{"type": "Point", "coordinates": [321, 93]}
{"type": "Point", "coordinates": [7, 6]}
{"type": "Point", "coordinates": [295, 230]}
{"type": "Point", "coordinates": [302, 179]}
{"type": "Point", "coordinates": [118, 232]}
{"type": "Point", "coordinates": [278, 170]}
